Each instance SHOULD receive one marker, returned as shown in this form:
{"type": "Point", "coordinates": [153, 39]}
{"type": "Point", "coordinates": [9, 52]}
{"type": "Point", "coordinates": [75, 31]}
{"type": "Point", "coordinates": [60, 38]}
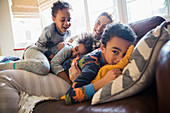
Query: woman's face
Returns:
{"type": "Point", "coordinates": [78, 50]}
{"type": "Point", "coordinates": [100, 25]}
{"type": "Point", "coordinates": [62, 20]}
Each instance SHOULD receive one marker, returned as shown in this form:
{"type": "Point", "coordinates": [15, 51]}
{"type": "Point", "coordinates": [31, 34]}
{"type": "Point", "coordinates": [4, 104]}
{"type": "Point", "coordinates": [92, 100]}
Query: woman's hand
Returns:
{"type": "Point", "coordinates": [74, 71]}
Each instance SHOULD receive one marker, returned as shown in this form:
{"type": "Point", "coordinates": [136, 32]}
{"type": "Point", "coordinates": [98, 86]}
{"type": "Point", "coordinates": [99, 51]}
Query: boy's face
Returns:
{"type": "Point", "coordinates": [115, 50]}
{"type": "Point", "coordinates": [62, 20]}
{"type": "Point", "coordinates": [100, 25]}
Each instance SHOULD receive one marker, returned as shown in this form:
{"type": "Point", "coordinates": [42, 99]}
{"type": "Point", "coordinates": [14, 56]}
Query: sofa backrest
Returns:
{"type": "Point", "coordinates": [141, 27]}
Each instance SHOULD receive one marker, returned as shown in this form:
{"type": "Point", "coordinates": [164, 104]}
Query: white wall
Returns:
{"type": "Point", "coordinates": [6, 35]}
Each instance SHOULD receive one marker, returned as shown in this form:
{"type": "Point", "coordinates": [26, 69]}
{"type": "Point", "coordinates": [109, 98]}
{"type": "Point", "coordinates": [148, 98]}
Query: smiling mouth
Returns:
{"type": "Point", "coordinates": [65, 29]}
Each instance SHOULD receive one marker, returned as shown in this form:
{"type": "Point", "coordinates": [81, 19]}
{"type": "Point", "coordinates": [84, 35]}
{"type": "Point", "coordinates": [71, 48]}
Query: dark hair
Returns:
{"type": "Point", "coordinates": [108, 15]}
{"type": "Point", "coordinates": [59, 5]}
{"type": "Point", "coordinates": [87, 40]}
{"type": "Point", "coordinates": [119, 30]}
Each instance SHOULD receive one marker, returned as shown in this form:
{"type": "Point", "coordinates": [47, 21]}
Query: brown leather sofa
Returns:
{"type": "Point", "coordinates": [154, 99]}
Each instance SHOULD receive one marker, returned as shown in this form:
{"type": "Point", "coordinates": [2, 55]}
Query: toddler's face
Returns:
{"type": "Point", "coordinates": [115, 50]}
{"type": "Point", "coordinates": [100, 25]}
{"type": "Point", "coordinates": [78, 50]}
{"type": "Point", "coordinates": [62, 20]}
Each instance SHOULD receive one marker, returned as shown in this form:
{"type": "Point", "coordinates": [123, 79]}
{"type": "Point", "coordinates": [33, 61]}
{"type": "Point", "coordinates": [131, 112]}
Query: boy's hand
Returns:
{"type": "Point", "coordinates": [74, 71]}
{"type": "Point", "coordinates": [73, 38]}
{"type": "Point", "coordinates": [60, 45]}
{"type": "Point", "coordinates": [111, 75]}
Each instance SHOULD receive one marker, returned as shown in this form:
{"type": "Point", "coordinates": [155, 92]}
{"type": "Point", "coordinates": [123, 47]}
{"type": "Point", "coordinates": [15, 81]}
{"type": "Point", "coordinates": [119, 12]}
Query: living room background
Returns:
{"type": "Point", "coordinates": [29, 17]}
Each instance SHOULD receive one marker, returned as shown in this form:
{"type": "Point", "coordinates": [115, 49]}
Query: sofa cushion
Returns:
{"type": "Point", "coordinates": [144, 102]}
{"type": "Point", "coordinates": [139, 73]}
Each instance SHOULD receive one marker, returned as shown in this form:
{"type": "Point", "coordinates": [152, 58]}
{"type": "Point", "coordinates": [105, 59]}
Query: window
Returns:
{"type": "Point", "coordinates": [78, 17]}
{"type": "Point", "coordinates": [140, 9]}
{"type": "Point", "coordinates": [85, 12]}
{"type": "Point", "coordinates": [26, 31]}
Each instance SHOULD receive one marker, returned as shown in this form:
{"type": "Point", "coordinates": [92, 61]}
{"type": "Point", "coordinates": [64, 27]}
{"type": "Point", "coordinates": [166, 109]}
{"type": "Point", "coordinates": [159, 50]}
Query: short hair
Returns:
{"type": "Point", "coordinates": [59, 5]}
{"type": "Point", "coordinates": [108, 15]}
{"type": "Point", "coordinates": [119, 30]}
{"type": "Point", "coordinates": [87, 40]}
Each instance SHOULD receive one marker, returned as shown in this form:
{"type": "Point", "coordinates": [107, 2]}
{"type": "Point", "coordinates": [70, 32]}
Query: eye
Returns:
{"type": "Point", "coordinates": [115, 52]}
{"type": "Point", "coordinates": [98, 22]}
{"type": "Point", "coordinates": [76, 48]}
{"type": "Point", "coordinates": [69, 20]}
{"type": "Point", "coordinates": [124, 54]}
{"type": "Point", "coordinates": [63, 20]}
{"type": "Point", "coordinates": [104, 26]}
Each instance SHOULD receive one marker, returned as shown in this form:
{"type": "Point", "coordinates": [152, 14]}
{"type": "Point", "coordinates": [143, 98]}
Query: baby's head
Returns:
{"type": "Point", "coordinates": [116, 39]}
{"type": "Point", "coordinates": [84, 45]}
{"type": "Point", "coordinates": [61, 15]}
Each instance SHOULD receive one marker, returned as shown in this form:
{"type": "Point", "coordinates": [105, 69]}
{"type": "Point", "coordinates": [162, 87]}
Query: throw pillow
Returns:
{"type": "Point", "coordinates": [139, 73]}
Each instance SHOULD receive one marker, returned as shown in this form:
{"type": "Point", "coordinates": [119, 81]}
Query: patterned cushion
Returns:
{"type": "Point", "coordinates": [139, 73]}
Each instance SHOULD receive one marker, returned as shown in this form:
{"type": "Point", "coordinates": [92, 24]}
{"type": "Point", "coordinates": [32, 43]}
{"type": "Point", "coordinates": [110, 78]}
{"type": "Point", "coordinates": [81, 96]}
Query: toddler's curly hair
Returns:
{"type": "Point", "coordinates": [87, 40]}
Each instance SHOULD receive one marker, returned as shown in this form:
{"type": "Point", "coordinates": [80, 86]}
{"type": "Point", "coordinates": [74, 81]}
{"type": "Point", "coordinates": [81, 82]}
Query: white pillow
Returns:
{"type": "Point", "coordinates": [139, 73]}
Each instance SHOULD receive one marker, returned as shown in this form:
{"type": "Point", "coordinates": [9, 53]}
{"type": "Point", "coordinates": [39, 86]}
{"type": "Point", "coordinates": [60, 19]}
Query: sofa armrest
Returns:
{"type": "Point", "coordinates": [163, 79]}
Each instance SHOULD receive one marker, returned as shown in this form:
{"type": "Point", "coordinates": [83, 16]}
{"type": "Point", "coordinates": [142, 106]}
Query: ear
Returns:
{"type": "Point", "coordinates": [102, 48]}
{"type": "Point", "coordinates": [53, 18]}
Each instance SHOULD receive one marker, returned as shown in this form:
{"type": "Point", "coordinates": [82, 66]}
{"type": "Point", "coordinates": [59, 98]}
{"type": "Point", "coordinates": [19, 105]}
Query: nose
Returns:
{"type": "Point", "coordinates": [118, 59]}
{"type": "Point", "coordinates": [67, 23]}
{"type": "Point", "coordinates": [74, 54]}
{"type": "Point", "coordinates": [99, 28]}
